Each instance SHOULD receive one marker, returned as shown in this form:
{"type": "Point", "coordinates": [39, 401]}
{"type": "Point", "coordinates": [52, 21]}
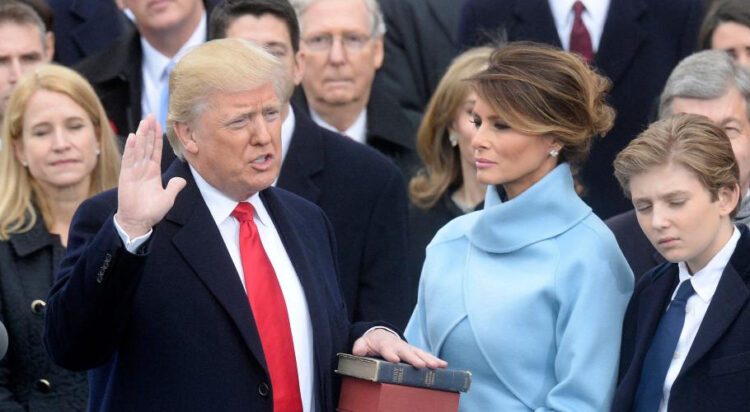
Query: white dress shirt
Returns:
{"type": "Point", "coordinates": [154, 65]}
{"type": "Point", "coordinates": [287, 129]}
{"type": "Point", "coordinates": [704, 282]}
{"type": "Point", "coordinates": [221, 207]}
{"type": "Point", "coordinates": [357, 131]}
{"type": "Point", "coordinates": [593, 17]}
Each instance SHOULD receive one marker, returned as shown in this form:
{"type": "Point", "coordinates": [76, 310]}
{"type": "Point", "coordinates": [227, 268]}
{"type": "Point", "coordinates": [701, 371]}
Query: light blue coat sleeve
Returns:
{"type": "Point", "coordinates": [593, 292]}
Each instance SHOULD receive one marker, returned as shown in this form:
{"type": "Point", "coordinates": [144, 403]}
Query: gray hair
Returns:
{"type": "Point", "coordinates": [218, 66]}
{"type": "Point", "coordinates": [705, 75]}
{"type": "Point", "coordinates": [377, 22]}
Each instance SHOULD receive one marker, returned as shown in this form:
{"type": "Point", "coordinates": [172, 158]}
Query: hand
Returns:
{"type": "Point", "coordinates": [141, 200]}
{"type": "Point", "coordinates": [380, 342]}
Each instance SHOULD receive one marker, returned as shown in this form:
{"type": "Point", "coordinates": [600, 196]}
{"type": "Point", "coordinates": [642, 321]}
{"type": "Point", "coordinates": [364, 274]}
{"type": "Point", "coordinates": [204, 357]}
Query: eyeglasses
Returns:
{"type": "Point", "coordinates": [352, 42]}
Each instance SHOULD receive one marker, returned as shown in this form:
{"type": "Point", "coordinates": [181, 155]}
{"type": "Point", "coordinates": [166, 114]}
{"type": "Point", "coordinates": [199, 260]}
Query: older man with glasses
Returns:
{"type": "Point", "coordinates": [342, 48]}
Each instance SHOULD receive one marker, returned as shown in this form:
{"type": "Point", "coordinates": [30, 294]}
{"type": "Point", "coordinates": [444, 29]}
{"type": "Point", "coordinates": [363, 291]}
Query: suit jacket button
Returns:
{"type": "Point", "coordinates": [37, 306]}
{"type": "Point", "coordinates": [263, 389]}
{"type": "Point", "coordinates": [43, 385]}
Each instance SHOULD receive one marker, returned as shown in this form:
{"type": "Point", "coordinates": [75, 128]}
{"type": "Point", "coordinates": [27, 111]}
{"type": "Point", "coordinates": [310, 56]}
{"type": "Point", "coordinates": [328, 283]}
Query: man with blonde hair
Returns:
{"type": "Point", "coordinates": [208, 294]}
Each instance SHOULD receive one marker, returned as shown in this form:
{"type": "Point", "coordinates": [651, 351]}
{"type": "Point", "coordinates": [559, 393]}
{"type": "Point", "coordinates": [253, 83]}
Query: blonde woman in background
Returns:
{"type": "Point", "coordinates": [58, 150]}
{"type": "Point", "coordinates": [447, 186]}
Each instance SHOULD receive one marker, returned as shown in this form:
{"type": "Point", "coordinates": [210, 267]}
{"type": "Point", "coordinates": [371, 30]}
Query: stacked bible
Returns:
{"type": "Point", "coordinates": [376, 385]}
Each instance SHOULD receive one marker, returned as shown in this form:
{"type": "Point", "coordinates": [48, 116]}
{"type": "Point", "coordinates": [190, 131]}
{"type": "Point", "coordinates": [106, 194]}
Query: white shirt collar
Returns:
{"type": "Point", "coordinates": [357, 131]}
{"type": "Point", "coordinates": [707, 279]}
{"type": "Point", "coordinates": [221, 206]}
{"type": "Point", "coordinates": [154, 62]}
{"type": "Point", "coordinates": [287, 130]}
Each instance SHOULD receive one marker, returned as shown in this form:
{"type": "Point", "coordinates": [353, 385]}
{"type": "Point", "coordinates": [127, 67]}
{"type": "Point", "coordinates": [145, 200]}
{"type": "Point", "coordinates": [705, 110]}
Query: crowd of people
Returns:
{"type": "Point", "coordinates": [202, 202]}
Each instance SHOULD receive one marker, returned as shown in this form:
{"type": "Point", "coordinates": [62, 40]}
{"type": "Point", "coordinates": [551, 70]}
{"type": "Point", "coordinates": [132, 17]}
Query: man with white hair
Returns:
{"type": "Point", "coordinates": [218, 292]}
{"type": "Point", "coordinates": [342, 48]}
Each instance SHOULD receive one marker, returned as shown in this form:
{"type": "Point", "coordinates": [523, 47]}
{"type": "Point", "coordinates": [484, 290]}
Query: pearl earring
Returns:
{"type": "Point", "coordinates": [98, 152]}
{"type": "Point", "coordinates": [25, 163]}
{"type": "Point", "coordinates": [453, 137]}
{"type": "Point", "coordinates": [554, 153]}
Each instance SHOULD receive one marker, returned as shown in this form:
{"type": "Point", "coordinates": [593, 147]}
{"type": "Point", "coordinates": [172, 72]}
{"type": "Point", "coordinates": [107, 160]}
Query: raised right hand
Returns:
{"type": "Point", "coordinates": [141, 200]}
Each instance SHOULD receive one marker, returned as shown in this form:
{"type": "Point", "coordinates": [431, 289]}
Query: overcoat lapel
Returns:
{"type": "Point", "coordinates": [532, 20]}
{"type": "Point", "coordinates": [304, 159]}
{"type": "Point", "coordinates": [622, 36]}
{"type": "Point", "coordinates": [201, 245]}
{"type": "Point", "coordinates": [731, 296]}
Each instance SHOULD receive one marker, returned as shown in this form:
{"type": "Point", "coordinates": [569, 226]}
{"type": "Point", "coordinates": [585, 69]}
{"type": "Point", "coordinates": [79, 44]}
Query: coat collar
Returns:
{"type": "Point", "coordinates": [33, 240]}
{"type": "Point", "coordinates": [546, 209]}
{"type": "Point", "coordinates": [305, 158]}
{"type": "Point", "coordinates": [622, 37]}
{"type": "Point", "coordinates": [730, 297]}
{"type": "Point", "coordinates": [532, 20]}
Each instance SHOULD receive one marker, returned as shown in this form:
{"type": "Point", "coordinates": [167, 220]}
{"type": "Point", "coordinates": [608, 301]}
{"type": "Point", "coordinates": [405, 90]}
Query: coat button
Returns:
{"type": "Point", "coordinates": [37, 306]}
{"type": "Point", "coordinates": [43, 385]}
{"type": "Point", "coordinates": [263, 389]}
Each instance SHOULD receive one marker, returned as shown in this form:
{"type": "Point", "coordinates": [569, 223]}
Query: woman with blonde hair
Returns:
{"type": "Point", "coordinates": [447, 186]}
{"type": "Point", "coordinates": [58, 150]}
{"type": "Point", "coordinates": [529, 293]}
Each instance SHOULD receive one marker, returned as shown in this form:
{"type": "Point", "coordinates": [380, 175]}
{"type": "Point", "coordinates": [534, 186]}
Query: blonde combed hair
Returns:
{"type": "Point", "coordinates": [442, 162]}
{"type": "Point", "coordinates": [218, 66]}
{"type": "Point", "coordinates": [20, 195]}
{"type": "Point", "coordinates": [691, 141]}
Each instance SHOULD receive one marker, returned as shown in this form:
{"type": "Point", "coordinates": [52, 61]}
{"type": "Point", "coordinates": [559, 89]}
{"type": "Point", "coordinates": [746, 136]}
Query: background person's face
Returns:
{"type": "Point", "coordinates": [156, 15]}
{"type": "Point", "coordinates": [272, 33]}
{"type": "Point", "coordinates": [730, 113]}
{"type": "Point", "coordinates": [21, 49]}
{"type": "Point", "coordinates": [58, 142]}
{"type": "Point", "coordinates": [339, 75]}
{"type": "Point", "coordinates": [733, 38]}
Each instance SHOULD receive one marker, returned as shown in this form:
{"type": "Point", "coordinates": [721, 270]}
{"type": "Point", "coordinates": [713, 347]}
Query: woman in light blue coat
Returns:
{"type": "Point", "coordinates": [529, 294]}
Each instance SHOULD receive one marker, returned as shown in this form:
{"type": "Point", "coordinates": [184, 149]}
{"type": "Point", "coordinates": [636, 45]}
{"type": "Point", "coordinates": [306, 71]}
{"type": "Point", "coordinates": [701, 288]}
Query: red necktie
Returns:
{"type": "Point", "coordinates": [269, 310]}
{"type": "Point", "coordinates": [580, 40]}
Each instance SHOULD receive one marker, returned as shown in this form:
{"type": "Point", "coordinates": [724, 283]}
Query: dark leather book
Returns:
{"type": "Point", "coordinates": [379, 370]}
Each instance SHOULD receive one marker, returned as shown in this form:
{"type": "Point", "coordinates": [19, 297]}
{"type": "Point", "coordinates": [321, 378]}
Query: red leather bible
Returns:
{"type": "Point", "coordinates": [359, 395]}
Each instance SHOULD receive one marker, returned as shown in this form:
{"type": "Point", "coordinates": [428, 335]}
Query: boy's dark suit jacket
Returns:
{"type": "Point", "coordinates": [716, 373]}
{"type": "Point", "coordinates": [171, 328]}
{"type": "Point", "coordinates": [363, 195]}
{"type": "Point", "coordinates": [641, 43]}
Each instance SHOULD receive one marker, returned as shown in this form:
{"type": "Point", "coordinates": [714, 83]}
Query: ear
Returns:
{"type": "Point", "coordinates": [728, 199]}
{"type": "Point", "coordinates": [379, 53]}
{"type": "Point", "coordinates": [555, 144]}
{"type": "Point", "coordinates": [18, 150]}
{"type": "Point", "coordinates": [186, 135]}
{"type": "Point", "coordinates": [299, 67]}
{"type": "Point", "coordinates": [50, 45]}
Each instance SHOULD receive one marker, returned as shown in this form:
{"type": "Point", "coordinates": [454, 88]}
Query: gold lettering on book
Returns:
{"type": "Point", "coordinates": [398, 375]}
{"type": "Point", "coordinates": [429, 378]}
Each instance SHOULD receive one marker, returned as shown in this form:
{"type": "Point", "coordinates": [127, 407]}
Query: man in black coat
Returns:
{"type": "Point", "coordinates": [641, 41]}
{"type": "Point", "coordinates": [360, 191]}
{"type": "Point", "coordinates": [117, 71]}
{"type": "Point", "coordinates": [419, 45]}
{"type": "Point", "coordinates": [342, 46]}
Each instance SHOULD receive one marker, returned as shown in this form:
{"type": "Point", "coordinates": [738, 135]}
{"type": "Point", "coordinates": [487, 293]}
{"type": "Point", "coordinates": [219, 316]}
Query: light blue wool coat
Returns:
{"type": "Point", "coordinates": [529, 295]}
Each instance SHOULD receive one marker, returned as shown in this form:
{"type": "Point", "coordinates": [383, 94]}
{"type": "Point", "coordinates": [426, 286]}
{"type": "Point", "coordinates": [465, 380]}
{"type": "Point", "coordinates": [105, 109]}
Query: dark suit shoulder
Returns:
{"type": "Point", "coordinates": [108, 63]}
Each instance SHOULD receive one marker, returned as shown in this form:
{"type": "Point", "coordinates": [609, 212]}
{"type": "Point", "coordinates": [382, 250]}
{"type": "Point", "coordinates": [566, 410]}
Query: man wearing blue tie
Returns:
{"type": "Point", "coordinates": [686, 334]}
